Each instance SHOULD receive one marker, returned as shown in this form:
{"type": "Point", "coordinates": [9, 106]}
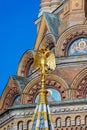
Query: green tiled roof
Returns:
{"type": "Point", "coordinates": [53, 21]}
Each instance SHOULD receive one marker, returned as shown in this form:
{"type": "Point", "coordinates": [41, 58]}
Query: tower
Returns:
{"type": "Point", "coordinates": [49, 6]}
{"type": "Point", "coordinates": [74, 11]}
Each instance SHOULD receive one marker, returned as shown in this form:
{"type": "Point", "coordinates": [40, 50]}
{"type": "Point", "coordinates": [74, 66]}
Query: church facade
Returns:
{"type": "Point", "coordinates": [61, 27]}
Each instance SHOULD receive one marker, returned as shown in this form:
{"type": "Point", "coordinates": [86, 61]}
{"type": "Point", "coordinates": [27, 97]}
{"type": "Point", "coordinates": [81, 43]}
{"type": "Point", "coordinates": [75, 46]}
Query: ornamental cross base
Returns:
{"type": "Point", "coordinates": [42, 117]}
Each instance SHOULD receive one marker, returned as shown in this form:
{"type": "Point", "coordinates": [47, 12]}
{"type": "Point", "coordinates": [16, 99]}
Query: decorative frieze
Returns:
{"type": "Point", "coordinates": [58, 111]}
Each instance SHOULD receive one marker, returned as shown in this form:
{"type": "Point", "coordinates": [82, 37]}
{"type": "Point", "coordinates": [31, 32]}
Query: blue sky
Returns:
{"type": "Point", "coordinates": [17, 34]}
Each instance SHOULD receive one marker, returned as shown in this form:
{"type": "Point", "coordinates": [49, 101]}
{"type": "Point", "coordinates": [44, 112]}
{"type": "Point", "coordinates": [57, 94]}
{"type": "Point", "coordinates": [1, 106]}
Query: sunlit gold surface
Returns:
{"type": "Point", "coordinates": [45, 61]}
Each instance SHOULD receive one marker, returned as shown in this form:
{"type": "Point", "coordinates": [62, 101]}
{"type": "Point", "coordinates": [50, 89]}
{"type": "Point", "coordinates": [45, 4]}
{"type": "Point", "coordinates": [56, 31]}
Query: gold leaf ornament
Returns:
{"type": "Point", "coordinates": [44, 60]}
{"type": "Point", "coordinates": [51, 63]}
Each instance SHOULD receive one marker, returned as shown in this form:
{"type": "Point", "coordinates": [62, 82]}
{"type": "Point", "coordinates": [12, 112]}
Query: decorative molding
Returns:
{"type": "Point", "coordinates": [10, 96]}
{"type": "Point", "coordinates": [77, 80]}
{"type": "Point", "coordinates": [25, 114]}
{"type": "Point", "coordinates": [77, 5]}
{"type": "Point", "coordinates": [25, 63]}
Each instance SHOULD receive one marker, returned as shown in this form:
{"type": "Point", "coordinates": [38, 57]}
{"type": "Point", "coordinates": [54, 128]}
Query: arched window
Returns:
{"type": "Point", "coordinates": [8, 127]}
{"type": "Point", "coordinates": [76, 128]}
{"type": "Point", "coordinates": [20, 125]}
{"type": "Point", "coordinates": [68, 121]}
{"type": "Point", "coordinates": [81, 128]}
{"type": "Point", "coordinates": [86, 120]}
{"type": "Point", "coordinates": [78, 120]}
{"type": "Point", "coordinates": [29, 125]}
{"type": "Point", "coordinates": [12, 124]}
{"type": "Point", "coordinates": [58, 122]}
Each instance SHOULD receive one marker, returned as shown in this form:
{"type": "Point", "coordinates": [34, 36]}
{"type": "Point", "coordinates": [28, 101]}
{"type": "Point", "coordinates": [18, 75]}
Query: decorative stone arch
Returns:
{"type": "Point", "coordinates": [58, 122]}
{"type": "Point", "coordinates": [48, 41]}
{"type": "Point", "coordinates": [20, 125]}
{"type": "Point", "coordinates": [68, 37]}
{"type": "Point", "coordinates": [79, 85]}
{"type": "Point", "coordinates": [52, 81]}
{"type": "Point", "coordinates": [68, 121]}
{"type": "Point", "coordinates": [86, 119]}
{"type": "Point", "coordinates": [29, 124]}
{"type": "Point", "coordinates": [78, 120]}
{"type": "Point", "coordinates": [25, 63]}
{"type": "Point", "coordinates": [9, 94]}
{"type": "Point", "coordinates": [10, 97]}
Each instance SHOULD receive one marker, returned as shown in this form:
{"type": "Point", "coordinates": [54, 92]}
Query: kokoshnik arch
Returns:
{"type": "Point", "coordinates": [66, 21]}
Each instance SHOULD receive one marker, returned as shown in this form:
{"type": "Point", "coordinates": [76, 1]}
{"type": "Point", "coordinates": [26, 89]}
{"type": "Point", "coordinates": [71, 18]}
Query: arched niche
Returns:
{"type": "Point", "coordinates": [10, 97]}
{"type": "Point", "coordinates": [79, 85]}
{"type": "Point", "coordinates": [53, 82]}
{"type": "Point", "coordinates": [86, 120]}
{"type": "Point", "coordinates": [20, 125]}
{"type": "Point", "coordinates": [29, 124]}
{"type": "Point", "coordinates": [25, 63]}
{"type": "Point", "coordinates": [52, 96]}
{"type": "Point", "coordinates": [78, 47]}
{"type": "Point", "coordinates": [68, 37]}
{"type": "Point", "coordinates": [48, 41]}
{"type": "Point", "coordinates": [68, 121]}
{"type": "Point", "coordinates": [78, 120]}
{"type": "Point", "coordinates": [58, 122]}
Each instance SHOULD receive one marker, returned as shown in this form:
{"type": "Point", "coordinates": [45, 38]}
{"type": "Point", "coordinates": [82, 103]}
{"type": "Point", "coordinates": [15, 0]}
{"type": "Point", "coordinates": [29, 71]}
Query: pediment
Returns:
{"type": "Point", "coordinates": [49, 25]}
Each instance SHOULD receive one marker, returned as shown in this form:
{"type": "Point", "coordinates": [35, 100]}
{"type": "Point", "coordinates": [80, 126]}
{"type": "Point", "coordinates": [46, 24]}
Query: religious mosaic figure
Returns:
{"type": "Point", "coordinates": [78, 47]}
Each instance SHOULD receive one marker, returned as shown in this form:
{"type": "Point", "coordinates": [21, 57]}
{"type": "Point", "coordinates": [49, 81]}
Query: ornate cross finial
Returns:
{"type": "Point", "coordinates": [44, 60]}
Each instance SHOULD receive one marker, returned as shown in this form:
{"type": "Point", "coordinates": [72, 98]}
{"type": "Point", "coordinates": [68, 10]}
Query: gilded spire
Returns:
{"type": "Point", "coordinates": [42, 117]}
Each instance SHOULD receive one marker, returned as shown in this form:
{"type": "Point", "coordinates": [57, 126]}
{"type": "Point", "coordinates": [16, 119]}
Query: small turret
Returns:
{"type": "Point", "coordinates": [44, 6]}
